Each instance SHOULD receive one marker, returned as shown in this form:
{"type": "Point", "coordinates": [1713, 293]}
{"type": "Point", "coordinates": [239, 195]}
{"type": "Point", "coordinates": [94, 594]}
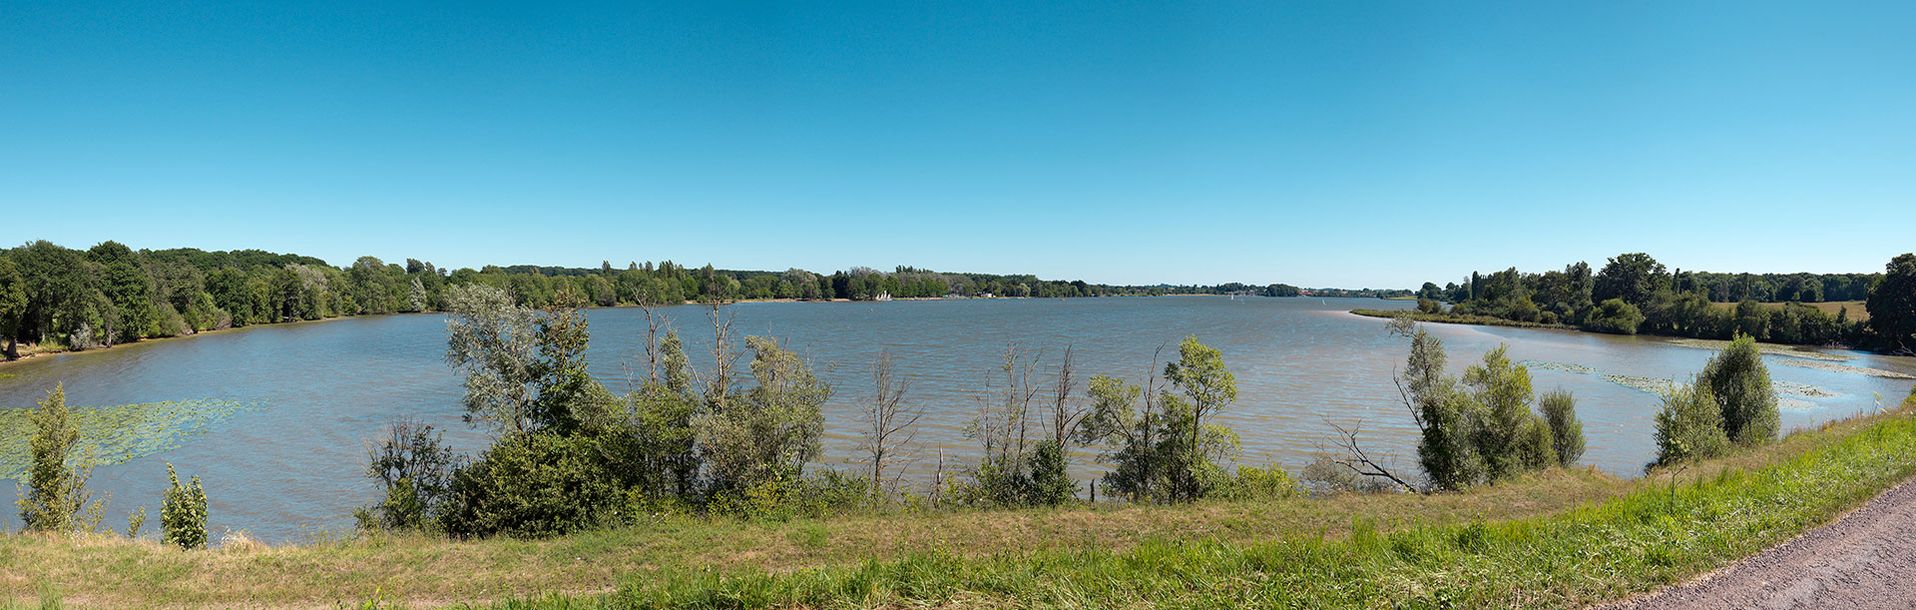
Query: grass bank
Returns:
{"type": "Point", "coordinates": [1452, 318]}
{"type": "Point", "coordinates": [1554, 539]}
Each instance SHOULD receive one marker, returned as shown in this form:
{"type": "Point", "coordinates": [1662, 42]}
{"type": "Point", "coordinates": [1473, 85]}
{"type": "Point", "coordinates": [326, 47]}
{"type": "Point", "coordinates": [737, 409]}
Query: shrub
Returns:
{"type": "Point", "coordinates": [414, 467]}
{"type": "Point", "coordinates": [135, 521]}
{"type": "Point", "coordinates": [1051, 485]}
{"type": "Point", "coordinates": [1689, 427]}
{"type": "Point", "coordinates": [1252, 483]}
{"type": "Point", "coordinates": [1566, 433]}
{"type": "Point", "coordinates": [771, 431]}
{"type": "Point", "coordinates": [532, 485]}
{"type": "Point", "coordinates": [183, 515]}
{"type": "Point", "coordinates": [1741, 385]}
{"type": "Point", "coordinates": [55, 492]}
{"type": "Point", "coordinates": [1616, 317]}
{"type": "Point", "coordinates": [781, 499]}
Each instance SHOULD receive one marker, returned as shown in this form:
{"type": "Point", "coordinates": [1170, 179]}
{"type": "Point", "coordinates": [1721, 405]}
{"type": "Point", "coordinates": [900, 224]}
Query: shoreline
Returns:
{"type": "Point", "coordinates": [31, 355]}
{"type": "Point", "coordinates": [1494, 321]}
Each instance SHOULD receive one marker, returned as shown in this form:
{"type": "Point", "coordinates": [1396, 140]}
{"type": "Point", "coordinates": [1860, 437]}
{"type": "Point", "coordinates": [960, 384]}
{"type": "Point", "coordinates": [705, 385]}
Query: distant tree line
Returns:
{"type": "Point", "coordinates": [568, 453]}
{"type": "Point", "coordinates": [60, 298]}
{"type": "Point", "coordinates": [1633, 293]}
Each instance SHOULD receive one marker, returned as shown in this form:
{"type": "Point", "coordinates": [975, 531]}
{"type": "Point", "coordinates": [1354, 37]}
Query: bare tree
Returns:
{"type": "Point", "coordinates": [886, 418]}
{"type": "Point", "coordinates": [653, 321]}
{"type": "Point", "coordinates": [1066, 411]}
{"type": "Point", "coordinates": [1353, 457]}
{"type": "Point", "coordinates": [718, 385]}
{"type": "Point", "coordinates": [1004, 413]}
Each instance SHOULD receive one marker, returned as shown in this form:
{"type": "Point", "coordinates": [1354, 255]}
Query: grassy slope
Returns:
{"type": "Point", "coordinates": [1560, 538]}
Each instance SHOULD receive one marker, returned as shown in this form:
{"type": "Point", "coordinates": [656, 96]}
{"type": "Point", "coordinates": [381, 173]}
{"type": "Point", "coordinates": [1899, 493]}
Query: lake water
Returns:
{"type": "Point", "coordinates": [323, 391]}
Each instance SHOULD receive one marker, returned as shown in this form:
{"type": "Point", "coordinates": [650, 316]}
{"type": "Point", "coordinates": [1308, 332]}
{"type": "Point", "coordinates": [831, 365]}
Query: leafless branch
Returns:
{"type": "Point", "coordinates": [1358, 461]}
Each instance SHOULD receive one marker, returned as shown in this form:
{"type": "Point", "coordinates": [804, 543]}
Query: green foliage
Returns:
{"type": "Point", "coordinates": [135, 521]}
{"type": "Point", "coordinates": [183, 512]}
{"type": "Point", "coordinates": [414, 468]}
{"type": "Point", "coordinates": [1511, 439]}
{"type": "Point", "coordinates": [1651, 300]}
{"type": "Point", "coordinates": [532, 485]}
{"type": "Point", "coordinates": [1252, 483]}
{"type": "Point", "coordinates": [1566, 433]}
{"type": "Point", "coordinates": [1639, 541]}
{"type": "Point", "coordinates": [1631, 278]}
{"type": "Point", "coordinates": [1892, 305]}
{"type": "Point", "coordinates": [773, 429]}
{"type": "Point", "coordinates": [1051, 484]}
{"type": "Point", "coordinates": [1163, 449]}
{"type": "Point", "coordinates": [495, 343]}
{"type": "Point", "coordinates": [1480, 431]}
{"type": "Point", "coordinates": [55, 492]}
{"type": "Point", "coordinates": [1689, 426]}
{"type": "Point", "coordinates": [827, 493]}
{"type": "Point", "coordinates": [1614, 316]}
{"type": "Point", "coordinates": [1741, 386]}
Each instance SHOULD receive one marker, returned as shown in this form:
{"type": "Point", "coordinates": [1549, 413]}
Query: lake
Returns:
{"type": "Point", "coordinates": [320, 393]}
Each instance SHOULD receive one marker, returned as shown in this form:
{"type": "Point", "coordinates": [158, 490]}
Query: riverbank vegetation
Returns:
{"type": "Point", "coordinates": [699, 489]}
{"type": "Point", "coordinates": [1633, 293]}
{"type": "Point", "coordinates": [1555, 538]}
{"type": "Point", "coordinates": [54, 298]}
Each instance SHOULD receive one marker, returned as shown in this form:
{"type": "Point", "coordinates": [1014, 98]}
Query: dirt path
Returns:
{"type": "Point", "coordinates": [1866, 559]}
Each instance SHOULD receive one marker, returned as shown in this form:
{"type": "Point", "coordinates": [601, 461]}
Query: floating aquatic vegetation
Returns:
{"type": "Point", "coordinates": [1800, 389]}
{"type": "Point", "coordinates": [1652, 385]}
{"type": "Point", "coordinates": [1566, 367]}
{"type": "Point", "coordinates": [117, 434]}
{"type": "Point", "coordinates": [1844, 368]}
{"type": "Point", "coordinates": [1767, 348]}
{"type": "Point", "coordinates": [1784, 402]}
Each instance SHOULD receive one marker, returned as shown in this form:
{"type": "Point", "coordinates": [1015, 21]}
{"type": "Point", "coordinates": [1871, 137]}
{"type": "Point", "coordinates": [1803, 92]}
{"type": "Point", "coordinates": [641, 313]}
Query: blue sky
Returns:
{"type": "Point", "coordinates": [1316, 143]}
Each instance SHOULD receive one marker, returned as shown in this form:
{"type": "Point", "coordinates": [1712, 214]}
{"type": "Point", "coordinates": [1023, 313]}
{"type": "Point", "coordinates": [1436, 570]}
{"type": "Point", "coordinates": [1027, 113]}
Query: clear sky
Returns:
{"type": "Point", "coordinates": [1316, 143]}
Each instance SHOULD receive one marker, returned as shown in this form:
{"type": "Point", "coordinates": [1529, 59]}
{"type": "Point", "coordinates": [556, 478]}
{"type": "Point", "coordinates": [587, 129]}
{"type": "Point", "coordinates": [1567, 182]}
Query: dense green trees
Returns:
{"type": "Point", "coordinates": [1892, 305]}
{"type": "Point", "coordinates": [60, 298]}
{"type": "Point", "coordinates": [1634, 293]}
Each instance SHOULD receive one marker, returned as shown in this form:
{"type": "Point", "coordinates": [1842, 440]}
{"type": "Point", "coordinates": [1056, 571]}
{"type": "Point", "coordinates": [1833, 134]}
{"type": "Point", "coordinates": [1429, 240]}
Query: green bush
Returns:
{"type": "Point", "coordinates": [183, 515]}
{"type": "Point", "coordinates": [54, 491]}
{"type": "Point", "coordinates": [1252, 483]}
{"type": "Point", "coordinates": [1689, 427]}
{"type": "Point", "coordinates": [414, 468]}
{"type": "Point", "coordinates": [1566, 433]}
{"type": "Point", "coordinates": [1616, 317]}
{"type": "Point", "coordinates": [1741, 385]}
{"type": "Point", "coordinates": [819, 495]}
{"type": "Point", "coordinates": [532, 485]}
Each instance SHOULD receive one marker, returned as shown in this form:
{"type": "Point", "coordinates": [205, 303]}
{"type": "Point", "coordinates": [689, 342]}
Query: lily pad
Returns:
{"type": "Point", "coordinates": [117, 434]}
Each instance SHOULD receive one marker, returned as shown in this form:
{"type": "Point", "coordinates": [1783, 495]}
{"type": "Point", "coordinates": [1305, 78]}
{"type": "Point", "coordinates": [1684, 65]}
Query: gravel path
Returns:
{"type": "Point", "coordinates": [1866, 559]}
